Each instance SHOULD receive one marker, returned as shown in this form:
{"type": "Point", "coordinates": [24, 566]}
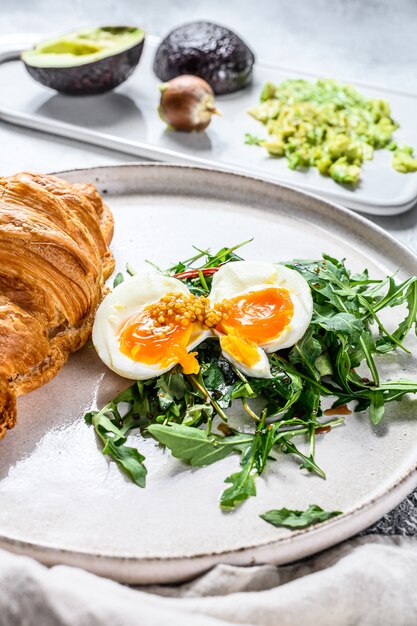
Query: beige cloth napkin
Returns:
{"type": "Point", "coordinates": [368, 581]}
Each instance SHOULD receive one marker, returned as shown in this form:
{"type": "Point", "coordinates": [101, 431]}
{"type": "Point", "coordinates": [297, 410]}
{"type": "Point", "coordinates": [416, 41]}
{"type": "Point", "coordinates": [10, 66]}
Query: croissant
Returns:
{"type": "Point", "coordinates": [54, 259]}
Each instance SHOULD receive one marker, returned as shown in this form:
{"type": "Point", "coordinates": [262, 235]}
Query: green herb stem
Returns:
{"type": "Point", "coordinates": [249, 410]}
{"type": "Point", "coordinates": [203, 390]}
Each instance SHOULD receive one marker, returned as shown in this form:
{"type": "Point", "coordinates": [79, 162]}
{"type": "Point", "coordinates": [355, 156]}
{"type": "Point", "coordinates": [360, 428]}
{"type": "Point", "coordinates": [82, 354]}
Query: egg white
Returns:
{"type": "Point", "coordinates": [241, 277]}
{"type": "Point", "coordinates": [127, 299]}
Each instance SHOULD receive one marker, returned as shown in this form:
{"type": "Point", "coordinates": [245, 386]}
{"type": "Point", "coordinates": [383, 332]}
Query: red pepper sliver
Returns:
{"type": "Point", "coordinates": [206, 271]}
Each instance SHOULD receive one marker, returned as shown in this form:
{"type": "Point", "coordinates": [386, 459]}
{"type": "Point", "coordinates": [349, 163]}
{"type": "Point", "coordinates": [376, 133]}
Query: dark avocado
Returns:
{"type": "Point", "coordinates": [88, 61]}
{"type": "Point", "coordinates": [208, 50]}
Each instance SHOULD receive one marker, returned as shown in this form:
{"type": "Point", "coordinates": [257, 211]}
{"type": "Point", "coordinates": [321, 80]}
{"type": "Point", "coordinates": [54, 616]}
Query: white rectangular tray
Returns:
{"type": "Point", "coordinates": [126, 120]}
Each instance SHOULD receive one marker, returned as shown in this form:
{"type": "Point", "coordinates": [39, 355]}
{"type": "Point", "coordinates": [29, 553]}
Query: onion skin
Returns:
{"type": "Point", "coordinates": [187, 103]}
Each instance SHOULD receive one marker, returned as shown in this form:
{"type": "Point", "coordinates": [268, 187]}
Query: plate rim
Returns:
{"type": "Point", "coordinates": [346, 211]}
{"type": "Point", "coordinates": [326, 534]}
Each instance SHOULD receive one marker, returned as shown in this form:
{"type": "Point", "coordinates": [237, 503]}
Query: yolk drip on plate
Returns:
{"type": "Point", "coordinates": [141, 339]}
{"type": "Point", "coordinates": [253, 319]}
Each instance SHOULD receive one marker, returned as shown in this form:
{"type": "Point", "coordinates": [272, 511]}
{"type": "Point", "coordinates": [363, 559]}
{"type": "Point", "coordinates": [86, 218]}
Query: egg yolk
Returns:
{"type": "Point", "coordinates": [253, 319]}
{"type": "Point", "coordinates": [141, 339]}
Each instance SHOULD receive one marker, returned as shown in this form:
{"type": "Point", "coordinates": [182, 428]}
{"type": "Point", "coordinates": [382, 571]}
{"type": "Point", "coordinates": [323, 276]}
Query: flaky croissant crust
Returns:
{"type": "Point", "coordinates": [54, 259]}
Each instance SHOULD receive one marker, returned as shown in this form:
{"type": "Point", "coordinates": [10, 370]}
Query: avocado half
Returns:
{"type": "Point", "coordinates": [208, 50]}
{"type": "Point", "coordinates": [88, 61]}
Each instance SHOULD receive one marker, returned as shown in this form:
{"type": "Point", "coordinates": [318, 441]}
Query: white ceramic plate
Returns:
{"type": "Point", "coordinates": [61, 501]}
{"type": "Point", "coordinates": [126, 120]}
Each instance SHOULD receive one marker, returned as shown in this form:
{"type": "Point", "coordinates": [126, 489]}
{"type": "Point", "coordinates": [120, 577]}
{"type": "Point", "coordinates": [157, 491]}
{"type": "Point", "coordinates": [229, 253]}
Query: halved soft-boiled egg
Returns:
{"type": "Point", "coordinates": [267, 307]}
{"type": "Point", "coordinates": [148, 324]}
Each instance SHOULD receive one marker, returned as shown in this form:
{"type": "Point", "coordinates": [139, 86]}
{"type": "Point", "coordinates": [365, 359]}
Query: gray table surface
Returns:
{"type": "Point", "coordinates": [373, 41]}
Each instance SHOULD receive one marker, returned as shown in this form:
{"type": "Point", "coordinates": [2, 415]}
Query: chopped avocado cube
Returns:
{"type": "Point", "coordinates": [342, 172]}
{"type": "Point", "coordinates": [403, 160]}
{"type": "Point", "coordinates": [328, 125]}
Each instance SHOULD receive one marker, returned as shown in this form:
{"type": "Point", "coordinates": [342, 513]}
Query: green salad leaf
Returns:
{"type": "Point", "coordinates": [242, 486]}
{"type": "Point", "coordinates": [112, 428]}
{"type": "Point", "coordinates": [336, 360]}
{"type": "Point", "coordinates": [298, 519]}
{"type": "Point", "coordinates": [194, 445]}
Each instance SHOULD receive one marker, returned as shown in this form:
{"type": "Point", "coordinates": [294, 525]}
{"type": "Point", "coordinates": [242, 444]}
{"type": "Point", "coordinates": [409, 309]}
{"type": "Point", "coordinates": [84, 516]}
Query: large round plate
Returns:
{"type": "Point", "coordinates": [61, 501]}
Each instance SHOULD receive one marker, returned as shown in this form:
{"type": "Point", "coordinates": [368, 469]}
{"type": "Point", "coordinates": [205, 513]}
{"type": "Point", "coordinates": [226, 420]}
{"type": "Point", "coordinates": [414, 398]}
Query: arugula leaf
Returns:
{"type": "Point", "coordinates": [324, 365]}
{"type": "Point", "coordinates": [344, 323]}
{"type": "Point", "coordinates": [402, 384]}
{"type": "Point", "coordinates": [298, 519]}
{"type": "Point", "coordinates": [410, 320]}
{"type": "Point", "coordinates": [282, 390]}
{"type": "Point", "coordinates": [197, 413]}
{"type": "Point", "coordinates": [376, 407]}
{"type": "Point", "coordinates": [195, 446]}
{"type": "Point", "coordinates": [213, 377]}
{"type": "Point", "coordinates": [200, 284]}
{"type": "Point", "coordinates": [170, 388]}
{"type": "Point", "coordinates": [308, 462]}
{"type": "Point", "coordinates": [306, 352]}
{"type": "Point", "coordinates": [309, 401]}
{"type": "Point", "coordinates": [242, 487]}
{"type": "Point", "coordinates": [128, 459]}
{"type": "Point", "coordinates": [255, 456]}
{"type": "Point", "coordinates": [224, 383]}
{"type": "Point", "coordinates": [346, 332]}
{"type": "Point", "coordinates": [119, 278]}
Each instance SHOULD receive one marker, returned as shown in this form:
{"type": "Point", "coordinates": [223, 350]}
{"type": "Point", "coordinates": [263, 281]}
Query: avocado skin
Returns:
{"type": "Point", "coordinates": [91, 78]}
{"type": "Point", "coordinates": [208, 50]}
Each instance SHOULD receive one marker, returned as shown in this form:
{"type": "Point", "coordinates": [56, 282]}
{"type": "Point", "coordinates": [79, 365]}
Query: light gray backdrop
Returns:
{"type": "Point", "coordinates": [371, 40]}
